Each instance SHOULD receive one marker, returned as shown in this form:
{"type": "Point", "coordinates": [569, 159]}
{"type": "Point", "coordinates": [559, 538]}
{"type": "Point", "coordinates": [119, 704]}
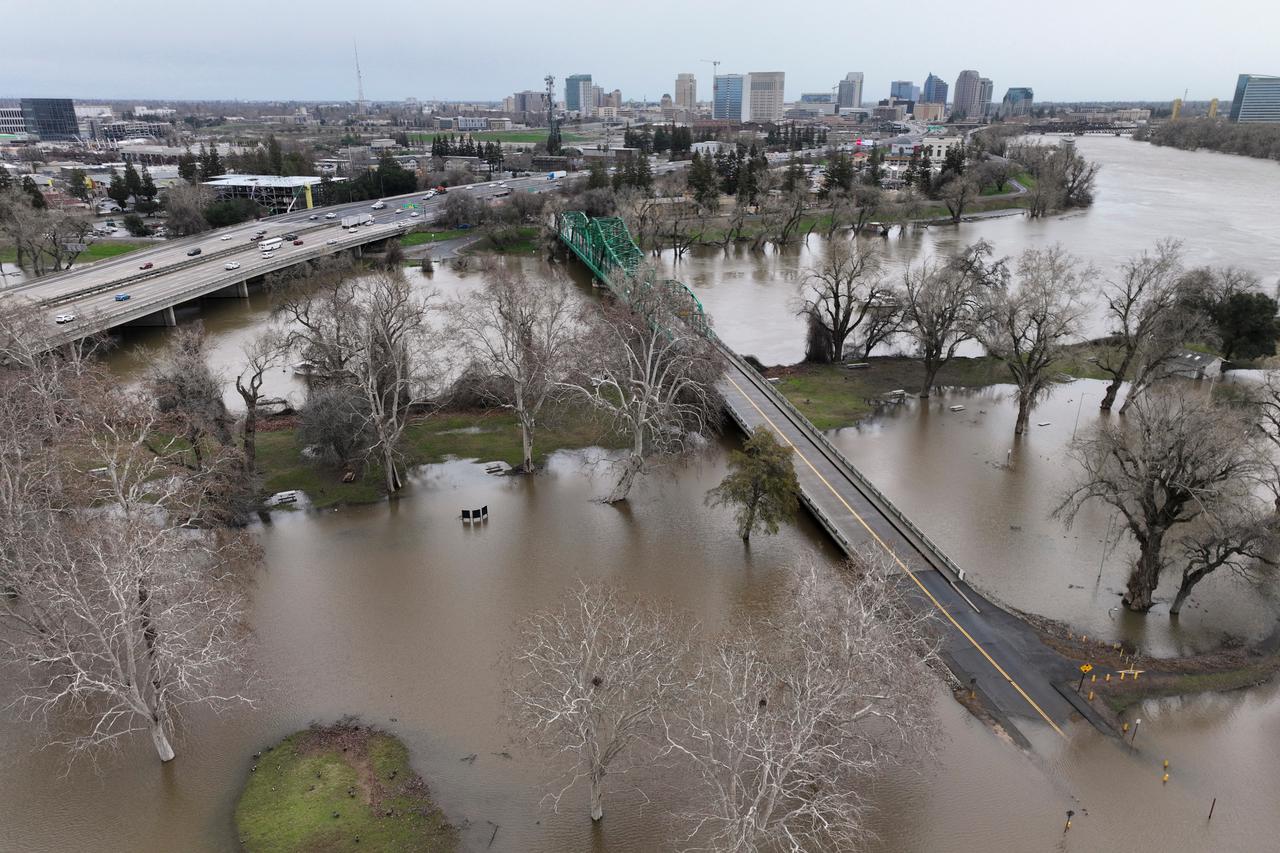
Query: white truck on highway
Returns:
{"type": "Point", "coordinates": [349, 222]}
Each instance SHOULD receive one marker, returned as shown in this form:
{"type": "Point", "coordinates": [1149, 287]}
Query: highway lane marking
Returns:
{"type": "Point", "coordinates": [899, 561]}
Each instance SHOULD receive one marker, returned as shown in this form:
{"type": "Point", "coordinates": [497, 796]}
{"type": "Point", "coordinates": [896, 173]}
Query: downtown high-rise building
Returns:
{"type": "Point", "coordinates": [1257, 99]}
{"type": "Point", "coordinates": [1017, 101]}
{"type": "Point", "coordinates": [727, 97]}
{"type": "Point", "coordinates": [764, 101]}
{"type": "Point", "coordinates": [903, 90]}
{"type": "Point", "coordinates": [686, 91]}
{"type": "Point", "coordinates": [849, 90]}
{"type": "Point", "coordinates": [986, 89]}
{"type": "Point", "coordinates": [51, 119]}
{"type": "Point", "coordinates": [966, 98]}
{"type": "Point", "coordinates": [935, 90]}
{"type": "Point", "coordinates": [577, 93]}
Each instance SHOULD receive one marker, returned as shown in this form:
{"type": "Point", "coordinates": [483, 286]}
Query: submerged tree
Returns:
{"type": "Point", "coordinates": [590, 681]}
{"type": "Point", "coordinates": [652, 373]}
{"type": "Point", "coordinates": [848, 294]}
{"type": "Point", "coordinates": [941, 302]}
{"type": "Point", "coordinates": [519, 333]}
{"type": "Point", "coordinates": [794, 714]}
{"type": "Point", "coordinates": [1176, 460]}
{"type": "Point", "coordinates": [1027, 326]}
{"type": "Point", "coordinates": [761, 484]}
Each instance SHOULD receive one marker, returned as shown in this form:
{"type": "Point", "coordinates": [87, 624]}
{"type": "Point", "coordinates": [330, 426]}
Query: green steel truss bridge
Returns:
{"type": "Point", "coordinates": [1017, 676]}
{"type": "Point", "coordinates": [604, 244]}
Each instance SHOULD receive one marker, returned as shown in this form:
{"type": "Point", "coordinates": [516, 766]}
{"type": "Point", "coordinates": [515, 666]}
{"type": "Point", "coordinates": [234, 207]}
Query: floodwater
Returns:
{"type": "Point", "coordinates": [397, 613]}
{"type": "Point", "coordinates": [1223, 208]}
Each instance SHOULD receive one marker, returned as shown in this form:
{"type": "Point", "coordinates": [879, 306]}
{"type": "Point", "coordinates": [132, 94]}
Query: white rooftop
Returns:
{"type": "Point", "coordinates": [274, 181]}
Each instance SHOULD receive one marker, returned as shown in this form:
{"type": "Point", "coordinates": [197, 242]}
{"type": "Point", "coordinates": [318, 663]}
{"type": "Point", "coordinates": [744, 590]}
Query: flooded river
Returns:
{"type": "Point", "coordinates": [397, 613]}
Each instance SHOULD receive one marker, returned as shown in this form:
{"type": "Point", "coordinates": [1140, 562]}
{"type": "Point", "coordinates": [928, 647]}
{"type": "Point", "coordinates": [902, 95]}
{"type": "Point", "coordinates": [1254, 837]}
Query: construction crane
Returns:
{"type": "Point", "coordinates": [715, 71]}
{"type": "Point", "coordinates": [359, 80]}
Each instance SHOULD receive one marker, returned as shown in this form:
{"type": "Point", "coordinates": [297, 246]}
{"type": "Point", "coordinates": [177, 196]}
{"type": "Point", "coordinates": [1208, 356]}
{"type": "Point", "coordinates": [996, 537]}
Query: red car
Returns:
{"type": "Point", "coordinates": [297, 242]}
{"type": "Point", "coordinates": [148, 265]}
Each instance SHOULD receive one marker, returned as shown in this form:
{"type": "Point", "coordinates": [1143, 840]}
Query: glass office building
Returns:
{"type": "Point", "coordinates": [52, 119]}
{"type": "Point", "coordinates": [1257, 99]}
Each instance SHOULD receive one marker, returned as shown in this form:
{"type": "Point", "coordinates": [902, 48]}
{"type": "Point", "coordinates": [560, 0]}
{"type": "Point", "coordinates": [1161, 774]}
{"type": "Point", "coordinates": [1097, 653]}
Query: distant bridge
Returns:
{"type": "Point", "coordinates": [1019, 675]}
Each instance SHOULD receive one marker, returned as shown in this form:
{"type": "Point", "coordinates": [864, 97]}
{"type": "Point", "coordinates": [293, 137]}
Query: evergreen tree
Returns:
{"type": "Point", "coordinates": [761, 485]}
{"type": "Point", "coordinates": [642, 175]}
{"type": "Point", "coordinates": [953, 162]}
{"type": "Point", "coordinates": [598, 176]}
{"type": "Point", "coordinates": [215, 167]}
{"type": "Point", "coordinates": [33, 192]}
{"type": "Point", "coordinates": [794, 177]}
{"type": "Point", "coordinates": [132, 181]}
{"type": "Point", "coordinates": [703, 182]}
{"type": "Point", "coordinates": [118, 190]}
{"type": "Point", "coordinates": [77, 183]}
{"type": "Point", "coordinates": [188, 166]}
{"type": "Point", "coordinates": [275, 156]}
{"type": "Point", "coordinates": [839, 173]}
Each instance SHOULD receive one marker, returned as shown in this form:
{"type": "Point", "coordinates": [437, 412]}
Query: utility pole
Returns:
{"type": "Point", "coordinates": [359, 80]}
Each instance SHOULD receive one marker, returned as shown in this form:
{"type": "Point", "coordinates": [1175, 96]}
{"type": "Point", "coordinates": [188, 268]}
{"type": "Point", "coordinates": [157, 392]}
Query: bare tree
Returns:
{"type": "Point", "coordinates": [1150, 322]}
{"type": "Point", "coordinates": [318, 308]}
{"type": "Point", "coordinates": [958, 194]}
{"type": "Point", "coordinates": [1027, 326]}
{"type": "Point", "coordinates": [651, 373]}
{"type": "Point", "coordinates": [260, 355]}
{"type": "Point", "coordinates": [1179, 459]}
{"type": "Point", "coordinates": [122, 624]}
{"type": "Point", "coordinates": [794, 714]}
{"type": "Point", "coordinates": [848, 293]}
{"type": "Point", "coordinates": [185, 204]}
{"type": "Point", "coordinates": [781, 214]}
{"type": "Point", "coordinates": [941, 301]}
{"type": "Point", "coordinates": [390, 363]}
{"type": "Point", "coordinates": [186, 389]}
{"type": "Point", "coordinates": [590, 681]}
{"type": "Point", "coordinates": [519, 332]}
{"type": "Point", "coordinates": [1242, 540]}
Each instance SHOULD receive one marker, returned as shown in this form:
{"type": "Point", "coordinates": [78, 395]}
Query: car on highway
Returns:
{"type": "Point", "coordinates": [378, 205]}
{"type": "Point", "coordinates": [502, 183]}
{"type": "Point", "coordinates": [193, 252]}
{"type": "Point", "coordinates": [64, 318]}
{"type": "Point", "coordinates": [399, 210]}
{"type": "Point", "coordinates": [331, 242]}
{"type": "Point", "coordinates": [122, 297]}
{"type": "Point", "coordinates": [148, 265]}
{"type": "Point", "coordinates": [442, 190]}
{"type": "Point", "coordinates": [231, 265]}
{"type": "Point", "coordinates": [313, 217]}
{"type": "Point", "coordinates": [414, 214]}
{"type": "Point", "coordinates": [268, 255]}
{"type": "Point", "coordinates": [225, 237]}
{"type": "Point", "coordinates": [430, 194]}
{"type": "Point", "coordinates": [331, 216]}
{"type": "Point", "coordinates": [289, 237]}
{"type": "Point", "coordinates": [297, 242]}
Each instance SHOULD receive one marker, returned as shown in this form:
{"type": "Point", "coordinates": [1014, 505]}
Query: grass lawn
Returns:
{"type": "Point", "coordinates": [95, 252]}
{"type": "Point", "coordinates": [833, 396]}
{"type": "Point", "coordinates": [484, 436]}
{"type": "Point", "coordinates": [339, 788]}
{"type": "Point", "coordinates": [417, 238]}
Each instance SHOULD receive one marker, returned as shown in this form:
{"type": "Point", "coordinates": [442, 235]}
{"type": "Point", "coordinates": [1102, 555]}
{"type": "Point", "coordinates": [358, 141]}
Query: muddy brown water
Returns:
{"type": "Point", "coordinates": [397, 613]}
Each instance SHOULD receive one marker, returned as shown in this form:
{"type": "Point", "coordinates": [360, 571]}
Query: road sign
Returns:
{"type": "Point", "coordinates": [1086, 667]}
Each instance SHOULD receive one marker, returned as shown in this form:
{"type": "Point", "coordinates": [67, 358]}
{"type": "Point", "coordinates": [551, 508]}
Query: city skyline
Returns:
{"type": "Point", "coordinates": [397, 62]}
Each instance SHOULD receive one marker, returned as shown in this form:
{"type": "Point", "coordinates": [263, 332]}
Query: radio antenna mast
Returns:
{"type": "Point", "coordinates": [359, 80]}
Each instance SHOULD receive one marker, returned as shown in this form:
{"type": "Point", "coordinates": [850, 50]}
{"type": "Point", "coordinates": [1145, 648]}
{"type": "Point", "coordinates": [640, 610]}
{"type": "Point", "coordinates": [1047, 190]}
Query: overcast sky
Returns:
{"type": "Point", "coordinates": [233, 49]}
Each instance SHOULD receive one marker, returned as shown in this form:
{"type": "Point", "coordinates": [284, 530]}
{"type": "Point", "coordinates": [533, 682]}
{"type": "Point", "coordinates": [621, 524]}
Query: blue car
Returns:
{"type": "Point", "coordinates": [122, 297]}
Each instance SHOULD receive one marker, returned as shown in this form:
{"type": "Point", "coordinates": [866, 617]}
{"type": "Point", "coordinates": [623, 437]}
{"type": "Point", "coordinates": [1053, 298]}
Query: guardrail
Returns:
{"type": "Point", "coordinates": [927, 547]}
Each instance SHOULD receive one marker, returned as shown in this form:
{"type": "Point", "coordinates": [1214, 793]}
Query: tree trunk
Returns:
{"type": "Point", "coordinates": [1024, 414]}
{"type": "Point", "coordinates": [250, 434]}
{"type": "Point", "coordinates": [930, 375]}
{"type": "Point", "coordinates": [1109, 398]}
{"type": "Point", "coordinates": [1189, 580]}
{"type": "Point", "coordinates": [597, 794]}
{"type": "Point", "coordinates": [526, 446]}
{"type": "Point", "coordinates": [748, 522]}
{"type": "Point", "coordinates": [622, 488]}
{"type": "Point", "coordinates": [394, 483]}
{"type": "Point", "coordinates": [1145, 575]}
{"type": "Point", "coordinates": [161, 740]}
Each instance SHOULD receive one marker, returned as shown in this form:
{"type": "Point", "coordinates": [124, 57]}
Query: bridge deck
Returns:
{"type": "Point", "coordinates": [1014, 670]}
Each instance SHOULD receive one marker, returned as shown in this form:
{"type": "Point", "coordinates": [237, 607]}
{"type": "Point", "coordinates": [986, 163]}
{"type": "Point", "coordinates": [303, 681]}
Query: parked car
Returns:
{"type": "Point", "coordinates": [297, 242]}
{"type": "Point", "coordinates": [64, 318]}
{"type": "Point", "coordinates": [231, 265]}
{"type": "Point", "coordinates": [148, 265]}
{"type": "Point", "coordinates": [331, 216]}
{"type": "Point", "coordinates": [122, 297]}
{"type": "Point", "coordinates": [193, 252]}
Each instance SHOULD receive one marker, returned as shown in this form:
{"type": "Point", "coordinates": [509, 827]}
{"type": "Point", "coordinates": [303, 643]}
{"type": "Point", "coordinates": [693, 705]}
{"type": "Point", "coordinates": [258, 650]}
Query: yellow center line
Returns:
{"type": "Point", "coordinates": [898, 560]}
